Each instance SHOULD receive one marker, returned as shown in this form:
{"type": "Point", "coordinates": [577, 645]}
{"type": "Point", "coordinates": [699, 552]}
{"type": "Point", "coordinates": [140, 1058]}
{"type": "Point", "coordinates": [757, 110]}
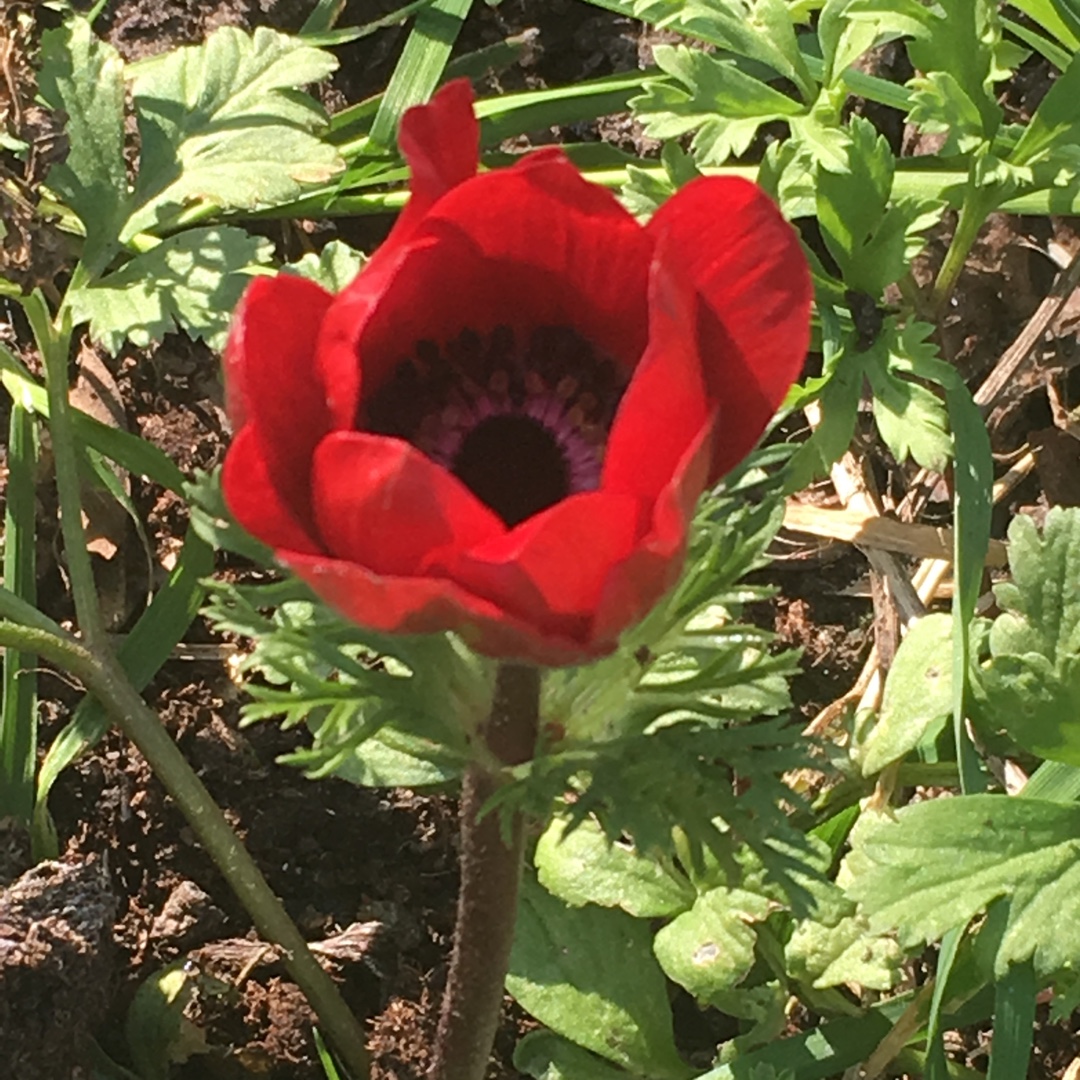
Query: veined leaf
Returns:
{"type": "Point", "coordinates": [588, 974]}
{"type": "Point", "coordinates": [84, 76]}
{"type": "Point", "coordinates": [333, 268]}
{"type": "Point", "coordinates": [936, 865]}
{"type": "Point", "coordinates": [583, 866]}
{"type": "Point", "coordinates": [191, 281]}
{"type": "Point", "coordinates": [918, 693]}
{"type": "Point", "coordinates": [222, 122]}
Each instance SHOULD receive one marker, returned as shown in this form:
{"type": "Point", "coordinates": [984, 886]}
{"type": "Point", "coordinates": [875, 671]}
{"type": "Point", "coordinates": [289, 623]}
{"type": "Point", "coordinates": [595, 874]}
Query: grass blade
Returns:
{"type": "Point", "coordinates": [1014, 1023]}
{"type": "Point", "coordinates": [18, 718]}
{"type": "Point", "coordinates": [421, 65]}
{"type": "Point", "coordinates": [974, 478]}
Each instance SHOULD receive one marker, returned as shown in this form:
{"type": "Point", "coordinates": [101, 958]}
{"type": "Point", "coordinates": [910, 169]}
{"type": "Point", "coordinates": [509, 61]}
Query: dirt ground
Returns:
{"type": "Point", "coordinates": [338, 855]}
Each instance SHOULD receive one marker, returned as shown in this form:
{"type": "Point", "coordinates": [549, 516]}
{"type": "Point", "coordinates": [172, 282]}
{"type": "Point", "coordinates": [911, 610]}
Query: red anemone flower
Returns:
{"type": "Point", "coordinates": [501, 427]}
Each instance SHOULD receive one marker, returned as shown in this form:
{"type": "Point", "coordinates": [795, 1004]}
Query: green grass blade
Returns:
{"type": "Point", "coordinates": [142, 653]}
{"type": "Point", "coordinates": [322, 18]}
{"type": "Point", "coordinates": [1054, 781]}
{"type": "Point", "coordinates": [421, 65]}
{"type": "Point", "coordinates": [1014, 1023]}
{"type": "Point", "coordinates": [513, 114]}
{"type": "Point", "coordinates": [936, 1063]}
{"type": "Point", "coordinates": [974, 478]}
{"type": "Point", "coordinates": [1057, 56]}
{"type": "Point", "coordinates": [1059, 18]}
{"type": "Point", "coordinates": [18, 717]}
{"type": "Point", "coordinates": [129, 451]}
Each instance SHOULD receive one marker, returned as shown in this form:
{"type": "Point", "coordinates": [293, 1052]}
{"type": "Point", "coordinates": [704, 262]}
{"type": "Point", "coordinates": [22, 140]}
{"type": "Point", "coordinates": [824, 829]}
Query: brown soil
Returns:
{"type": "Point", "coordinates": [337, 855]}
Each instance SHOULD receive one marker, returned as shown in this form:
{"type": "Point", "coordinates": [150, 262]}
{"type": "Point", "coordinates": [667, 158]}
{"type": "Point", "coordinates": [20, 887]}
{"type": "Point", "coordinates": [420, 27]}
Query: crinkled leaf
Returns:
{"type": "Point", "coordinates": [1041, 604]}
{"type": "Point", "coordinates": [1031, 684]}
{"type": "Point", "coordinates": [936, 865]}
{"type": "Point", "coordinates": [589, 975]}
{"type": "Point", "coordinates": [191, 281]}
{"type": "Point", "coordinates": [709, 949]}
{"type": "Point", "coordinates": [84, 76]}
{"type": "Point", "coordinates": [582, 866]}
{"type": "Point", "coordinates": [723, 104]}
{"type": "Point", "coordinates": [918, 693]}
{"type": "Point", "coordinates": [223, 122]}
{"type": "Point", "coordinates": [846, 951]}
{"type": "Point", "coordinates": [332, 268]}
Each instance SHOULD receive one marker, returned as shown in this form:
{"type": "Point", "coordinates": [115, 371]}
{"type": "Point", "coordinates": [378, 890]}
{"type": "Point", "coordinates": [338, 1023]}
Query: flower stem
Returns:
{"type": "Point", "coordinates": [106, 680]}
{"type": "Point", "coordinates": [490, 878]}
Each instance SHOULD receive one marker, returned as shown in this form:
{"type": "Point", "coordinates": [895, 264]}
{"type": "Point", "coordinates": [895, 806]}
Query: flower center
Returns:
{"type": "Point", "coordinates": [522, 427]}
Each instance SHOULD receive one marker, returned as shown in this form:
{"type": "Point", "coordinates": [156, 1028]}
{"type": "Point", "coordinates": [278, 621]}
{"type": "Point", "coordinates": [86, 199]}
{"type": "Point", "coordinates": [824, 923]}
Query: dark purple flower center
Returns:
{"type": "Point", "coordinates": [522, 427]}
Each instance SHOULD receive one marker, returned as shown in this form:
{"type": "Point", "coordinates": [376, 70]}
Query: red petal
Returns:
{"type": "Point", "coordinates": [441, 142]}
{"type": "Point", "coordinates": [635, 585]}
{"type": "Point", "coordinates": [665, 405]}
{"type": "Point", "coordinates": [527, 246]}
{"type": "Point", "coordinates": [551, 570]}
{"type": "Point", "coordinates": [429, 605]}
{"type": "Point", "coordinates": [253, 500]}
{"type": "Point", "coordinates": [381, 503]}
{"type": "Point", "coordinates": [753, 325]}
{"type": "Point", "coordinates": [272, 379]}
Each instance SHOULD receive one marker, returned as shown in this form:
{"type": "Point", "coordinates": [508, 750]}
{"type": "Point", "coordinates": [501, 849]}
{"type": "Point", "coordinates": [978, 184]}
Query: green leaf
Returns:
{"type": "Point", "coordinates": [912, 419]}
{"type": "Point", "coordinates": [222, 123]}
{"type": "Point", "coordinates": [545, 1056]}
{"type": "Point", "coordinates": [847, 951]}
{"type": "Point", "coordinates": [84, 77]}
{"type": "Point", "coordinates": [723, 104]}
{"type": "Point", "coordinates": [159, 1034]}
{"type": "Point", "coordinates": [709, 950]}
{"type": "Point", "coordinates": [760, 30]}
{"type": "Point", "coordinates": [582, 866]}
{"type": "Point", "coordinates": [1031, 684]}
{"type": "Point", "coordinates": [938, 864]}
{"type": "Point", "coordinates": [918, 693]}
{"type": "Point", "coordinates": [588, 974]}
{"type": "Point", "coordinates": [844, 38]}
{"type": "Point", "coordinates": [962, 38]}
{"type": "Point", "coordinates": [333, 268]}
{"type": "Point", "coordinates": [191, 281]}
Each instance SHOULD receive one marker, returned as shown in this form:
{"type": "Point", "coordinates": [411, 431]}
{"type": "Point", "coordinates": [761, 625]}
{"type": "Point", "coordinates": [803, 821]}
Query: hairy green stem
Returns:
{"type": "Point", "coordinates": [106, 680]}
{"type": "Point", "coordinates": [491, 859]}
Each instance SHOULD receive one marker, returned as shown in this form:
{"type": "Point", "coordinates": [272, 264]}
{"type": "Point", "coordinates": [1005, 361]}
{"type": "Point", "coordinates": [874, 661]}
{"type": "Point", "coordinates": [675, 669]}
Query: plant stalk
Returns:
{"type": "Point", "coordinates": [106, 680]}
{"type": "Point", "coordinates": [491, 860]}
